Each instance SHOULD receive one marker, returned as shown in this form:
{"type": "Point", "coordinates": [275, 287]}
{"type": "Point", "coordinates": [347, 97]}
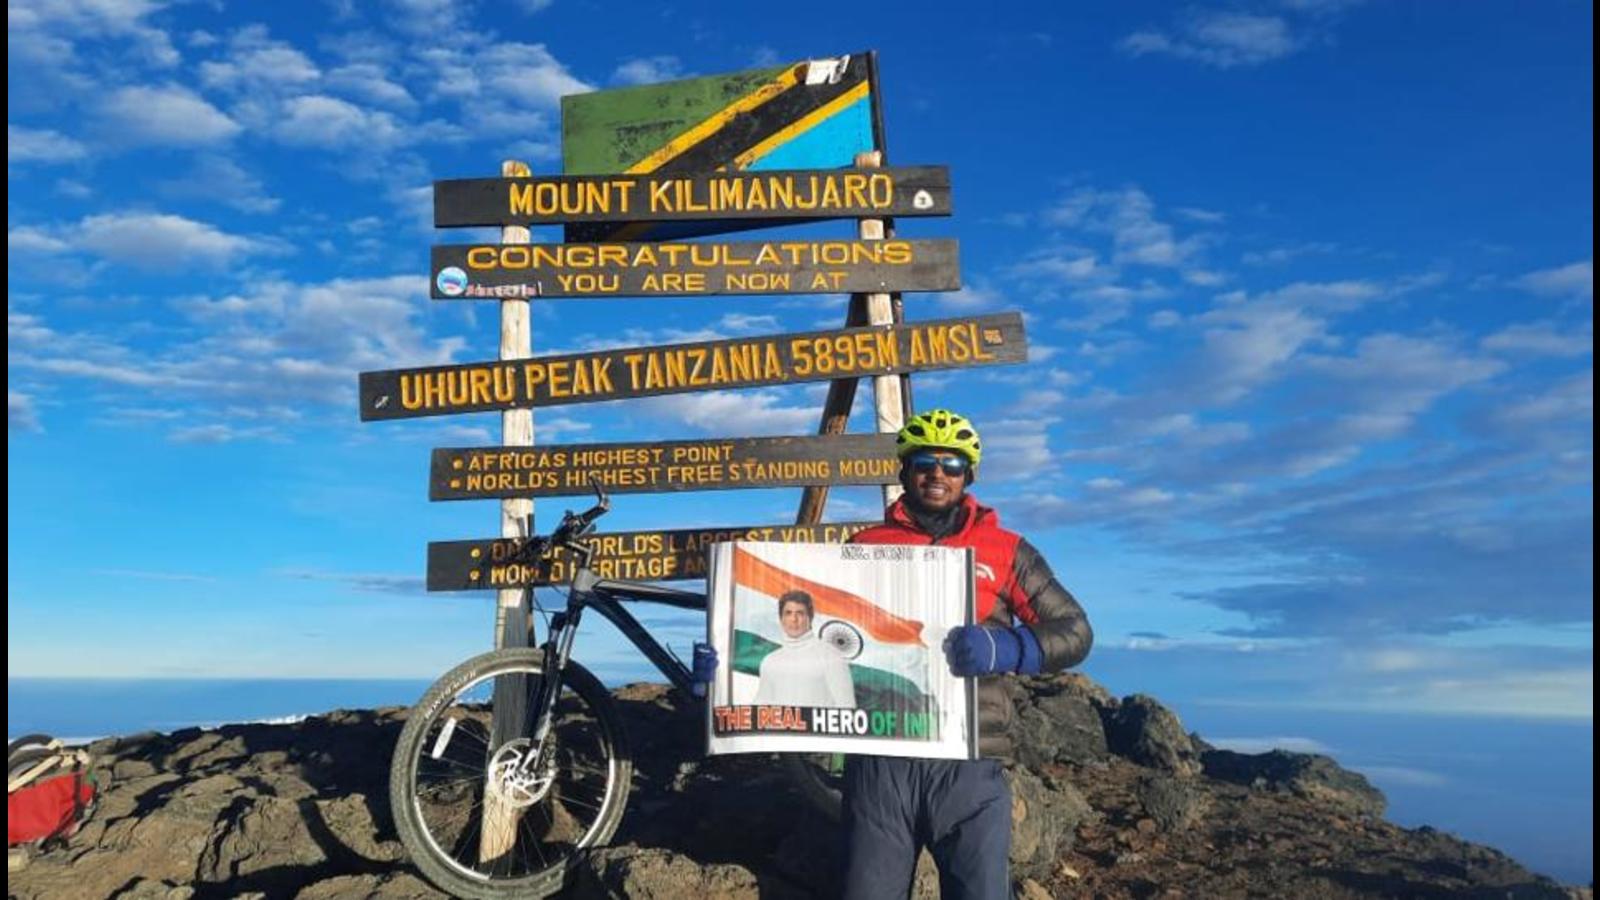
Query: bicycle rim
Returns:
{"type": "Point", "coordinates": [479, 824]}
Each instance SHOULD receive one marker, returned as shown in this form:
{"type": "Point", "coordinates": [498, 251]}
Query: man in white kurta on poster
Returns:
{"type": "Point", "coordinates": [804, 671]}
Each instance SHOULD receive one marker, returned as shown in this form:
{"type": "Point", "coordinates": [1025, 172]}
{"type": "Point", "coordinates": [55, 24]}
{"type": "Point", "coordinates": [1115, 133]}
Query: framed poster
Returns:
{"type": "Point", "coordinates": [828, 648]}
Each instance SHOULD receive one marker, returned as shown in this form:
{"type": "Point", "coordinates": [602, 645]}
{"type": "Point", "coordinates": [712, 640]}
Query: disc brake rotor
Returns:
{"type": "Point", "coordinates": [510, 781]}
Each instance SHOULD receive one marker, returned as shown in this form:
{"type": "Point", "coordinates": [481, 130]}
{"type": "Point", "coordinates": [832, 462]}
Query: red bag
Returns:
{"type": "Point", "coordinates": [49, 790]}
{"type": "Point", "coordinates": [46, 809]}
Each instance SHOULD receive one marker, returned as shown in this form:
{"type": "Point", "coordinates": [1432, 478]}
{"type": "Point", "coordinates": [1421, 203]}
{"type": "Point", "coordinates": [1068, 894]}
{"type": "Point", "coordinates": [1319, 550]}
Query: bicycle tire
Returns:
{"type": "Point", "coordinates": [429, 821]}
{"type": "Point", "coordinates": [22, 760]}
{"type": "Point", "coordinates": [26, 740]}
{"type": "Point", "coordinates": [819, 777]}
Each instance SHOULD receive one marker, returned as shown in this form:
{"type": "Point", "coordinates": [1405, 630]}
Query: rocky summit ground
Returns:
{"type": "Point", "coordinates": [1112, 800]}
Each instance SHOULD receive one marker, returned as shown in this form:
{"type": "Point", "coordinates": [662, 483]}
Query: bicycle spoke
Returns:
{"type": "Point", "coordinates": [436, 788]}
{"type": "Point", "coordinates": [478, 769]}
{"type": "Point", "coordinates": [566, 799]}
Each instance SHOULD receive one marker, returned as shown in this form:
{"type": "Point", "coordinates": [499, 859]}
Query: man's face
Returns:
{"type": "Point", "coordinates": [931, 486]}
{"type": "Point", "coordinates": [796, 619]}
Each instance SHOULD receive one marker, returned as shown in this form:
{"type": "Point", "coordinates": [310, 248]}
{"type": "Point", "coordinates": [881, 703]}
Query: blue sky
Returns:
{"type": "Point", "coordinates": [1309, 287]}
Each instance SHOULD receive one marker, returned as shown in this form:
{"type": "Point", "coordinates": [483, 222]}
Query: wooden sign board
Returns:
{"type": "Point", "coordinates": [565, 470]}
{"type": "Point", "coordinates": [679, 368]}
{"type": "Point", "coordinates": [812, 114]}
{"type": "Point", "coordinates": [500, 271]}
{"type": "Point", "coordinates": [788, 195]}
{"type": "Point", "coordinates": [680, 555]}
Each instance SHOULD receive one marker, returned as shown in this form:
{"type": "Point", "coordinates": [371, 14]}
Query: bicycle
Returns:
{"type": "Point", "coordinates": [506, 808]}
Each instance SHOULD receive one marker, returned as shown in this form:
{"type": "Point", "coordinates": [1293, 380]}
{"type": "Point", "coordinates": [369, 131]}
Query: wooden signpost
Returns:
{"type": "Point", "coordinates": [630, 372]}
{"type": "Point", "coordinates": [525, 271]}
{"type": "Point", "coordinates": [784, 144]}
{"type": "Point", "coordinates": [677, 555]}
{"type": "Point", "coordinates": [790, 194]}
{"type": "Point", "coordinates": [473, 473]}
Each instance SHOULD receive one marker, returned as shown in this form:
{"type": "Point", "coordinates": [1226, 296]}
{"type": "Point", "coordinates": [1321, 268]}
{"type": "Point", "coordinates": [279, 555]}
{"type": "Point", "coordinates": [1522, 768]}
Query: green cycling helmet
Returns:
{"type": "Point", "coordinates": [940, 429]}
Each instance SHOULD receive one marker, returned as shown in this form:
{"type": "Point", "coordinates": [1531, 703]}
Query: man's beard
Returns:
{"type": "Point", "coordinates": [938, 523]}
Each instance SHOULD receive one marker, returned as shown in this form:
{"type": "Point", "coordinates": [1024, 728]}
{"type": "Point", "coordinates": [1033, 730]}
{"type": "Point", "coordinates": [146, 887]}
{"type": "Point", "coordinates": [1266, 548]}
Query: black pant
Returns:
{"type": "Point", "coordinates": [959, 809]}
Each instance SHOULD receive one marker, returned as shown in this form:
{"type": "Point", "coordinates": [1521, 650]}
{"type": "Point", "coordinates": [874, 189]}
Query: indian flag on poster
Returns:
{"type": "Point", "coordinates": [836, 648]}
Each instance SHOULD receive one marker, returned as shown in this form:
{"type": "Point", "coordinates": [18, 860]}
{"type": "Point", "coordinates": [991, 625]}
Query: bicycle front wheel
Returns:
{"type": "Point", "coordinates": [483, 812]}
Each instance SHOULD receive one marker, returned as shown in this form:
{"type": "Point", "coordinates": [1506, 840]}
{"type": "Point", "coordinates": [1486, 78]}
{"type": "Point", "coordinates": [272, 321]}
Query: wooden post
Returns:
{"type": "Point", "coordinates": [516, 428]}
{"type": "Point", "coordinates": [512, 612]}
{"type": "Point", "coordinates": [835, 417]}
{"type": "Point", "coordinates": [886, 393]}
{"type": "Point", "coordinates": [892, 403]}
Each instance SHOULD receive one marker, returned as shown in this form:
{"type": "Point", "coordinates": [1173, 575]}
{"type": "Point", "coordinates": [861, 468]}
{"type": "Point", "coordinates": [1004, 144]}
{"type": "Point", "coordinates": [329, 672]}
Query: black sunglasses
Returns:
{"type": "Point", "coordinates": [952, 466]}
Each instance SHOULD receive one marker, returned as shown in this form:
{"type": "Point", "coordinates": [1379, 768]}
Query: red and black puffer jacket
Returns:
{"type": "Point", "coordinates": [1014, 584]}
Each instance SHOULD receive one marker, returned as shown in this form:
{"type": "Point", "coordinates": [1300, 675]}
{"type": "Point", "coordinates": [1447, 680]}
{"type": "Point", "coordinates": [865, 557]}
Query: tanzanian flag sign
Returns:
{"type": "Point", "coordinates": [830, 648]}
{"type": "Point", "coordinates": [813, 114]}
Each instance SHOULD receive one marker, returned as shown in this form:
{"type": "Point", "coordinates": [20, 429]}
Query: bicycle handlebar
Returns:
{"type": "Point", "coordinates": [576, 525]}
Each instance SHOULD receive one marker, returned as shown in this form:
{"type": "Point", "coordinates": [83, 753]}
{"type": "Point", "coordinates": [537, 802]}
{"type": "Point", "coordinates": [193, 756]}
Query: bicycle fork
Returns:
{"type": "Point", "coordinates": [557, 651]}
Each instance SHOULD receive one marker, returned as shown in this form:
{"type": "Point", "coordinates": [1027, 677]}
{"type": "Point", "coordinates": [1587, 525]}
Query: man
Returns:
{"type": "Point", "coordinates": [804, 671]}
{"type": "Point", "coordinates": [959, 809]}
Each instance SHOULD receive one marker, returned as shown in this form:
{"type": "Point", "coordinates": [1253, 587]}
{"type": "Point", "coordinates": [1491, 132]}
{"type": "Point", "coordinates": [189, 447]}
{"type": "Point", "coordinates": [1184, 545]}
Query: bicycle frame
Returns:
{"type": "Point", "coordinates": [605, 597]}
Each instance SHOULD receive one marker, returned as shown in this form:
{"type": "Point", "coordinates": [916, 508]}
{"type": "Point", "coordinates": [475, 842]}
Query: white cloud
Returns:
{"type": "Point", "coordinates": [1555, 693]}
{"type": "Point", "coordinates": [124, 374]}
{"type": "Point", "coordinates": [1019, 445]}
{"type": "Point", "coordinates": [25, 329]}
{"type": "Point", "coordinates": [27, 239]}
{"type": "Point", "coordinates": [143, 240]}
{"type": "Point", "coordinates": [157, 240]}
{"type": "Point", "coordinates": [1402, 775]}
{"type": "Point", "coordinates": [40, 145]}
{"type": "Point", "coordinates": [738, 413]}
{"type": "Point", "coordinates": [317, 120]}
{"type": "Point", "coordinates": [258, 63]}
{"type": "Point", "coordinates": [649, 70]}
{"type": "Point", "coordinates": [21, 414]}
{"type": "Point", "coordinates": [1203, 216]}
{"type": "Point", "coordinates": [1128, 215]}
{"type": "Point", "coordinates": [1568, 401]}
{"type": "Point", "coordinates": [279, 346]}
{"type": "Point", "coordinates": [44, 30]}
{"type": "Point", "coordinates": [1327, 296]}
{"type": "Point", "coordinates": [735, 323]}
{"type": "Point", "coordinates": [406, 585]}
{"type": "Point", "coordinates": [1571, 280]}
{"type": "Point", "coordinates": [368, 81]}
{"type": "Point", "coordinates": [170, 115]}
{"type": "Point", "coordinates": [975, 295]}
{"type": "Point", "coordinates": [513, 74]}
{"type": "Point", "coordinates": [152, 576]}
{"type": "Point", "coordinates": [1204, 277]}
{"type": "Point", "coordinates": [534, 151]}
{"type": "Point", "coordinates": [211, 434]}
{"type": "Point", "coordinates": [1546, 338]}
{"type": "Point", "coordinates": [1245, 347]}
{"type": "Point", "coordinates": [1069, 264]}
{"type": "Point", "coordinates": [220, 179]}
{"type": "Point", "coordinates": [1394, 376]}
{"type": "Point", "coordinates": [1263, 744]}
{"type": "Point", "coordinates": [1280, 255]}
{"type": "Point", "coordinates": [1220, 39]}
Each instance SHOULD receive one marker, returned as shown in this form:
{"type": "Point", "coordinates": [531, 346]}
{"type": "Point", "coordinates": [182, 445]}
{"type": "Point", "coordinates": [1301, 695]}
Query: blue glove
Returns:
{"type": "Point", "coordinates": [705, 667]}
{"type": "Point", "coordinates": [980, 650]}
